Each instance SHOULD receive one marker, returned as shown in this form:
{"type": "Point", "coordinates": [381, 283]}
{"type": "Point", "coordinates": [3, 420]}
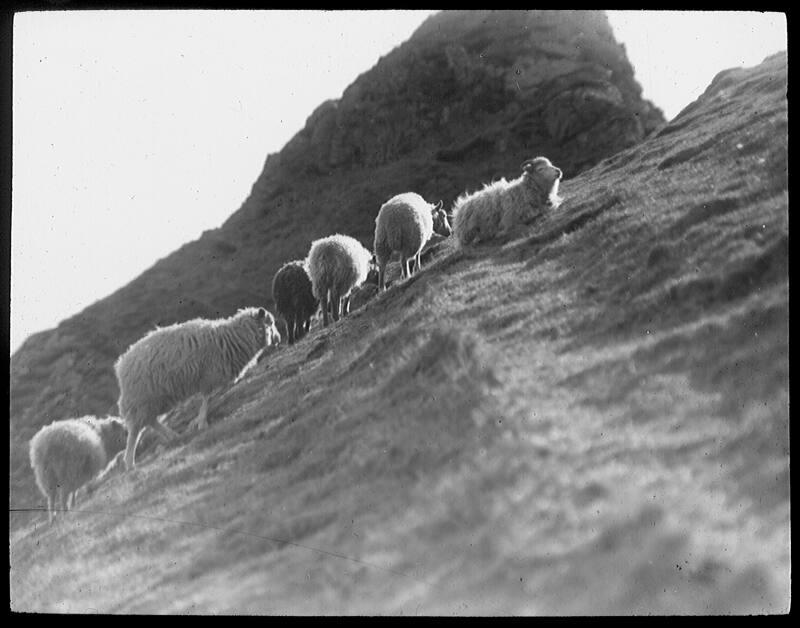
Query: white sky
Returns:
{"type": "Point", "coordinates": [135, 131]}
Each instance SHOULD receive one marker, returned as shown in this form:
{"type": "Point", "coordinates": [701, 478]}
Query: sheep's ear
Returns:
{"type": "Point", "coordinates": [438, 205]}
{"type": "Point", "coordinates": [526, 165]}
{"type": "Point", "coordinates": [261, 314]}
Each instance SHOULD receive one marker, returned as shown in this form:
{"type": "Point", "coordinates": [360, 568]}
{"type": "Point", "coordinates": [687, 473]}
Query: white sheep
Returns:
{"type": "Point", "coordinates": [405, 223]}
{"type": "Point", "coordinates": [495, 210]}
{"type": "Point", "coordinates": [173, 363]}
{"type": "Point", "coordinates": [67, 454]}
{"type": "Point", "coordinates": [336, 265]}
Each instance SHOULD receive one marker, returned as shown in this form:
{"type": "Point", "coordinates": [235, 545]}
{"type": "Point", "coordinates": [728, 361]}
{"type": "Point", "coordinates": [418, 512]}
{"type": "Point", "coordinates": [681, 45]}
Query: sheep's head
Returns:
{"type": "Point", "coordinates": [271, 334]}
{"type": "Point", "coordinates": [441, 224]}
{"type": "Point", "coordinates": [113, 434]}
{"type": "Point", "coordinates": [373, 273]}
{"type": "Point", "coordinates": [544, 177]}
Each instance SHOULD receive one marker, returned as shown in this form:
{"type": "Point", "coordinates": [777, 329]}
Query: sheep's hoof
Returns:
{"type": "Point", "coordinates": [196, 426]}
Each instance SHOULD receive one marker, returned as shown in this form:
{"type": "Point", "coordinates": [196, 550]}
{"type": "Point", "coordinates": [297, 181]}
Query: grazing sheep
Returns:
{"type": "Point", "coordinates": [67, 454]}
{"type": "Point", "coordinates": [500, 206]}
{"type": "Point", "coordinates": [173, 363]}
{"type": "Point", "coordinates": [405, 223]}
{"type": "Point", "coordinates": [336, 265]}
{"type": "Point", "coordinates": [294, 298]}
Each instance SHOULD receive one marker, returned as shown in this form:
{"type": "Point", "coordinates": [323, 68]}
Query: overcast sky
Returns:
{"type": "Point", "coordinates": [135, 131]}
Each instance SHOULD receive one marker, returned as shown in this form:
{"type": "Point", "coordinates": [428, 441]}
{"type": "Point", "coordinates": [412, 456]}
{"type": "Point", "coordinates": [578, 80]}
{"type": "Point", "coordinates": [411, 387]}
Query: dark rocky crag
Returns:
{"type": "Point", "coordinates": [465, 100]}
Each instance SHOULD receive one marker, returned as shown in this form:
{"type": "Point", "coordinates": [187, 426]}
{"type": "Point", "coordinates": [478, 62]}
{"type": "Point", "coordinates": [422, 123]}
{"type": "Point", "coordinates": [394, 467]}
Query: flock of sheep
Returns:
{"type": "Point", "coordinates": [174, 363]}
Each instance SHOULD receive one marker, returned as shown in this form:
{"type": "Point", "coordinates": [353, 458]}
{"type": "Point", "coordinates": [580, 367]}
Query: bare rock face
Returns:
{"type": "Point", "coordinates": [465, 100]}
{"type": "Point", "coordinates": [477, 83]}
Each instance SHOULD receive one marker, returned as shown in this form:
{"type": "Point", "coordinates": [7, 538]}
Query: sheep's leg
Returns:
{"type": "Point", "coordinates": [346, 304]}
{"type": "Point", "coordinates": [419, 262]}
{"type": "Point", "coordinates": [51, 507]}
{"type": "Point", "coordinates": [302, 328]}
{"type": "Point", "coordinates": [200, 421]}
{"type": "Point", "coordinates": [130, 446]}
{"type": "Point", "coordinates": [62, 493]}
{"type": "Point", "coordinates": [334, 306]}
{"type": "Point", "coordinates": [403, 267]}
{"type": "Point", "coordinates": [381, 277]}
{"type": "Point", "coordinates": [324, 302]}
{"type": "Point", "coordinates": [290, 325]}
{"type": "Point", "coordinates": [336, 303]}
{"type": "Point", "coordinates": [408, 265]}
{"type": "Point", "coordinates": [72, 499]}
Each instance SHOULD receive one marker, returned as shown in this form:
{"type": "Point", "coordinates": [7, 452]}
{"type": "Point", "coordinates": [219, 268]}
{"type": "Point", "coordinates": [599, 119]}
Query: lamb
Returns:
{"type": "Point", "coordinates": [294, 298]}
{"type": "Point", "coordinates": [67, 454]}
{"type": "Point", "coordinates": [405, 223]}
{"type": "Point", "coordinates": [170, 364]}
{"type": "Point", "coordinates": [336, 265]}
{"type": "Point", "coordinates": [500, 206]}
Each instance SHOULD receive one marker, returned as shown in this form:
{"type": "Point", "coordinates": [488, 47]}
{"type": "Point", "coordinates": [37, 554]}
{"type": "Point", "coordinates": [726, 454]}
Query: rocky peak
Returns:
{"type": "Point", "coordinates": [471, 83]}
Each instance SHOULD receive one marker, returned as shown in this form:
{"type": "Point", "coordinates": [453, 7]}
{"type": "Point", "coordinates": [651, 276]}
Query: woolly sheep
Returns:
{"type": "Point", "coordinates": [405, 223]}
{"type": "Point", "coordinates": [294, 298]}
{"type": "Point", "coordinates": [67, 454]}
{"type": "Point", "coordinates": [170, 364]}
{"type": "Point", "coordinates": [336, 265]}
{"type": "Point", "coordinates": [500, 206]}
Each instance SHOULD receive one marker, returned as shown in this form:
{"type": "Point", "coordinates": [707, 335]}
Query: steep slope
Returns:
{"type": "Point", "coordinates": [589, 418]}
{"type": "Point", "coordinates": [467, 98]}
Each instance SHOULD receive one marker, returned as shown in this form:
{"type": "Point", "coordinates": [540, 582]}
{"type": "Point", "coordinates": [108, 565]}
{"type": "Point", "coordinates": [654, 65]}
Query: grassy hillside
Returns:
{"type": "Point", "coordinates": [467, 84]}
{"type": "Point", "coordinates": [591, 417]}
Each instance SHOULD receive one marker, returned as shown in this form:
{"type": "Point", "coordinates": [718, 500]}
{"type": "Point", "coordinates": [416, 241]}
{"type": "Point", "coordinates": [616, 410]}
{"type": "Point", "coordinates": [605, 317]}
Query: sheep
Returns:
{"type": "Point", "coordinates": [294, 298]}
{"type": "Point", "coordinates": [170, 364]}
{"type": "Point", "coordinates": [500, 206]}
{"type": "Point", "coordinates": [405, 223]}
{"type": "Point", "coordinates": [67, 454]}
{"type": "Point", "coordinates": [336, 265]}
